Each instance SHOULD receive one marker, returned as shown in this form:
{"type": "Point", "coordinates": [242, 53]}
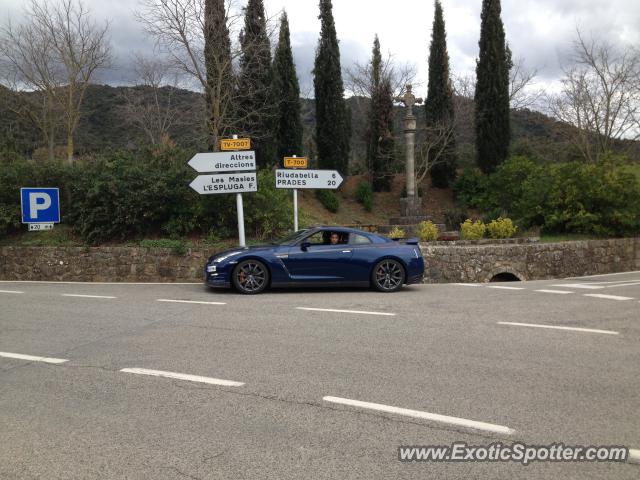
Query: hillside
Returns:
{"type": "Point", "coordinates": [104, 126]}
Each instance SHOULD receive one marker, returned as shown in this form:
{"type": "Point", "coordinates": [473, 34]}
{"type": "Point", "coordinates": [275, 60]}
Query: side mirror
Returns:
{"type": "Point", "coordinates": [304, 246]}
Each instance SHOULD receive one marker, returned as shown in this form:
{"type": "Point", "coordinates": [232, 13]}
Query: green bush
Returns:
{"type": "Point", "coordinates": [427, 231]}
{"type": "Point", "coordinates": [328, 199]}
{"type": "Point", "coordinates": [396, 232]}
{"type": "Point", "coordinates": [364, 195]}
{"type": "Point", "coordinates": [269, 211]}
{"type": "Point", "coordinates": [470, 189]}
{"type": "Point", "coordinates": [472, 231]}
{"type": "Point", "coordinates": [501, 228]}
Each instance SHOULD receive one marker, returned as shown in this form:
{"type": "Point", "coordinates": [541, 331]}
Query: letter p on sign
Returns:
{"type": "Point", "coordinates": [40, 205]}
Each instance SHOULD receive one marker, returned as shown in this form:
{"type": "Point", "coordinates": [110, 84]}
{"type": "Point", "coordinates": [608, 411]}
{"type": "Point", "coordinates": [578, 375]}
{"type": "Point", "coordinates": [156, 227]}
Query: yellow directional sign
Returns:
{"type": "Point", "coordinates": [296, 162]}
{"type": "Point", "coordinates": [227, 144]}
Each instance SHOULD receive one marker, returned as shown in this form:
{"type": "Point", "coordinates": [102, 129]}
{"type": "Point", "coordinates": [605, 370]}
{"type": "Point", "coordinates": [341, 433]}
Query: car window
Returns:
{"type": "Point", "coordinates": [316, 239]}
{"type": "Point", "coordinates": [359, 239]}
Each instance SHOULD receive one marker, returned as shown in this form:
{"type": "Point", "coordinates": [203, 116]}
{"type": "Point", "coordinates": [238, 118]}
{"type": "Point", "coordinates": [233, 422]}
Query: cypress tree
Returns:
{"type": "Point", "coordinates": [333, 127]}
{"type": "Point", "coordinates": [219, 71]}
{"type": "Point", "coordinates": [285, 81]}
{"type": "Point", "coordinates": [439, 105]}
{"type": "Point", "coordinates": [256, 105]}
{"type": "Point", "coordinates": [380, 143]}
{"type": "Point", "coordinates": [493, 131]}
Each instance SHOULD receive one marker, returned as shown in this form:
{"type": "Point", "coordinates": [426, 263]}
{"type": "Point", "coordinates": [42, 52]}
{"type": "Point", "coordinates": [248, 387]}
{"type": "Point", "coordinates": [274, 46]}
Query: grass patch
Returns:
{"type": "Point", "coordinates": [179, 247]}
{"type": "Point", "coordinates": [60, 236]}
{"type": "Point", "coordinates": [567, 237]}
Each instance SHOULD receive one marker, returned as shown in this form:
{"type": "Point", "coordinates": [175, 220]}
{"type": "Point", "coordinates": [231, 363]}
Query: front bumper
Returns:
{"type": "Point", "coordinates": [218, 279]}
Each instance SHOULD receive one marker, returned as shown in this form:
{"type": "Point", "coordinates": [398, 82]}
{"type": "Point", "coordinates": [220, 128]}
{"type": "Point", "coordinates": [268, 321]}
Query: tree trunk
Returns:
{"type": "Point", "coordinates": [70, 148]}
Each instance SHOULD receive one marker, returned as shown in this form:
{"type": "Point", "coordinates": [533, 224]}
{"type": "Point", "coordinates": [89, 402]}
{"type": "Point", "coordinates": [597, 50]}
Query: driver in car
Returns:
{"type": "Point", "coordinates": [335, 238]}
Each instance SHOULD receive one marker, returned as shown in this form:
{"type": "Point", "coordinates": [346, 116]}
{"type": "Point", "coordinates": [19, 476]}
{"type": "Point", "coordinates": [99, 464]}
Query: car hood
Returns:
{"type": "Point", "coordinates": [239, 250]}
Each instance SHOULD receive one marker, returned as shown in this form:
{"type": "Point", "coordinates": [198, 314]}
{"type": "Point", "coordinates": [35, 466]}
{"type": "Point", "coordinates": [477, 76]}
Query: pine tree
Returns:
{"type": "Point", "coordinates": [219, 71]}
{"type": "Point", "coordinates": [493, 131]}
{"type": "Point", "coordinates": [333, 127]}
{"type": "Point", "coordinates": [256, 103]}
{"type": "Point", "coordinates": [285, 82]}
{"type": "Point", "coordinates": [439, 105]}
{"type": "Point", "coordinates": [380, 143]}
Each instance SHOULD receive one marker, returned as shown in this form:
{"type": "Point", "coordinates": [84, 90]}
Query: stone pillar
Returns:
{"type": "Point", "coordinates": [411, 205]}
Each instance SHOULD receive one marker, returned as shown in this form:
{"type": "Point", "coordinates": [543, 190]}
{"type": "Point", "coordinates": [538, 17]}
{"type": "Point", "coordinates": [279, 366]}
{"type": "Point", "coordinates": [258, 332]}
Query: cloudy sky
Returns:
{"type": "Point", "coordinates": [541, 31]}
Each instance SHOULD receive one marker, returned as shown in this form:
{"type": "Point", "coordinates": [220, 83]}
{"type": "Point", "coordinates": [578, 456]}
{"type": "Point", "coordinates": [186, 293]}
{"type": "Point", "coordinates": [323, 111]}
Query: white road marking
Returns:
{"type": "Point", "coordinates": [168, 300]}
{"type": "Point", "coordinates": [628, 284]}
{"type": "Point", "coordinates": [634, 456]}
{"type": "Point", "coordinates": [345, 311]}
{"type": "Point", "coordinates": [604, 275]}
{"type": "Point", "coordinates": [183, 376]}
{"type": "Point", "coordinates": [468, 284]}
{"type": "Point", "coordinates": [10, 291]}
{"type": "Point", "coordinates": [555, 327]}
{"type": "Point", "coordinates": [86, 296]}
{"type": "Point", "coordinates": [607, 297]}
{"type": "Point", "coordinates": [102, 283]}
{"type": "Point", "coordinates": [32, 358]}
{"type": "Point", "coordinates": [578, 285]}
{"type": "Point", "coordinates": [507, 288]}
{"type": "Point", "coordinates": [559, 292]}
{"type": "Point", "coordinates": [434, 417]}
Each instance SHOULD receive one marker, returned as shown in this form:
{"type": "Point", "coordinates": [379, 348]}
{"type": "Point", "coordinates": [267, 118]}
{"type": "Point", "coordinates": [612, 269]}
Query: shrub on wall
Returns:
{"type": "Point", "coordinates": [501, 228]}
{"type": "Point", "coordinates": [427, 231]}
{"type": "Point", "coordinates": [396, 232]}
{"type": "Point", "coordinates": [364, 195]}
{"type": "Point", "coordinates": [328, 199]}
{"type": "Point", "coordinates": [470, 230]}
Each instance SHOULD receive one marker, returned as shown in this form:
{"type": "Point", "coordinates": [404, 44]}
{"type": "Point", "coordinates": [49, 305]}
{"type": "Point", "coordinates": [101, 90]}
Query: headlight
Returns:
{"type": "Point", "coordinates": [211, 268]}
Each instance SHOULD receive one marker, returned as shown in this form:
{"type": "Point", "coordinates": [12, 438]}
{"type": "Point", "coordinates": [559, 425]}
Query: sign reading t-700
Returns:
{"type": "Point", "coordinates": [327, 179]}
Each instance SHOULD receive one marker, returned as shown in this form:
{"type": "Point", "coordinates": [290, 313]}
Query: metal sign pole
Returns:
{"type": "Point", "coordinates": [295, 207]}
{"type": "Point", "coordinates": [240, 209]}
{"type": "Point", "coordinates": [240, 219]}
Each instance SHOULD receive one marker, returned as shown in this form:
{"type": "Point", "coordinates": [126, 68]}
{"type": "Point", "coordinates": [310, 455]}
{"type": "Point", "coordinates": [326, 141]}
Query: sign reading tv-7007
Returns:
{"type": "Point", "coordinates": [328, 179]}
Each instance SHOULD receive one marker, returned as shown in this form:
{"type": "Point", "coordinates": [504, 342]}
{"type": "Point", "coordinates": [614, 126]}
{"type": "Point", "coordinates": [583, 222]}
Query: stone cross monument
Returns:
{"type": "Point", "coordinates": [410, 206]}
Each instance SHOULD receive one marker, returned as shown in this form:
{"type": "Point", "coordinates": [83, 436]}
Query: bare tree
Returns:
{"type": "Point", "coordinates": [600, 96]}
{"type": "Point", "coordinates": [358, 77]}
{"type": "Point", "coordinates": [149, 105]}
{"type": "Point", "coordinates": [433, 150]}
{"type": "Point", "coordinates": [79, 46]}
{"type": "Point", "coordinates": [33, 76]}
{"type": "Point", "coordinates": [523, 92]}
{"type": "Point", "coordinates": [182, 28]}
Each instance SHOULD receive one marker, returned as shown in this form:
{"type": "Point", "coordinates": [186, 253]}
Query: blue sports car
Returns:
{"type": "Point", "coordinates": [319, 256]}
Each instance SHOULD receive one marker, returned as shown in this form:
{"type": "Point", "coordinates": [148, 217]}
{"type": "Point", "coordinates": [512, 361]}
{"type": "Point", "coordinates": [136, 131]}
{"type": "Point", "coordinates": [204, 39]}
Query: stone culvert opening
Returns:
{"type": "Point", "coordinates": [505, 277]}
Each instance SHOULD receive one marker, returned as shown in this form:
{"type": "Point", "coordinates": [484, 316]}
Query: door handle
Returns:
{"type": "Point", "coordinates": [346, 251]}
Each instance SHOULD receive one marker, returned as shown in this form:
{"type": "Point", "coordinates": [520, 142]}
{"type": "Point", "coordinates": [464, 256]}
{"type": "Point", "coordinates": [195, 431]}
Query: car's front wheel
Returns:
{"type": "Point", "coordinates": [388, 275]}
{"type": "Point", "coordinates": [250, 277]}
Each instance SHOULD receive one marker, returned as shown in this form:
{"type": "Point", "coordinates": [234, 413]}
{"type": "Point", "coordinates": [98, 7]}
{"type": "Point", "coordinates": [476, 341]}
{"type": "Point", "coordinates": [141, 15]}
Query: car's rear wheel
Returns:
{"type": "Point", "coordinates": [388, 275]}
{"type": "Point", "coordinates": [250, 277]}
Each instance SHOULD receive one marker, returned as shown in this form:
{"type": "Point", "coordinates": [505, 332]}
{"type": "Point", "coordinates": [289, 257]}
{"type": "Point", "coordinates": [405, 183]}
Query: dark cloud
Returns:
{"type": "Point", "coordinates": [541, 31]}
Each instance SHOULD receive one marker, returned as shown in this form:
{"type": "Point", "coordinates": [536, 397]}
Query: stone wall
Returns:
{"type": "Point", "coordinates": [445, 262]}
{"type": "Point", "coordinates": [529, 261]}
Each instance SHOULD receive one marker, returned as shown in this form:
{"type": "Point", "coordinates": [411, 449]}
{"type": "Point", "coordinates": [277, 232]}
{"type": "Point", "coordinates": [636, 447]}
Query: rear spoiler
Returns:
{"type": "Point", "coordinates": [408, 241]}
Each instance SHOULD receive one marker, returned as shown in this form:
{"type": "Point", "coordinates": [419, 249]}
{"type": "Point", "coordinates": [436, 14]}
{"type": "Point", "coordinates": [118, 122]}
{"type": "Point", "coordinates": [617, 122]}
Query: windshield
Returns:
{"type": "Point", "coordinates": [292, 238]}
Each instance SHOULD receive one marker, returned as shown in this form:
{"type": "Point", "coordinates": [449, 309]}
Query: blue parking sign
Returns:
{"type": "Point", "coordinates": [40, 205]}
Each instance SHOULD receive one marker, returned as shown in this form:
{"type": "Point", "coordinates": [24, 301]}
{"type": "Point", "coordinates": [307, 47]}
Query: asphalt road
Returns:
{"type": "Point", "coordinates": [270, 379]}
